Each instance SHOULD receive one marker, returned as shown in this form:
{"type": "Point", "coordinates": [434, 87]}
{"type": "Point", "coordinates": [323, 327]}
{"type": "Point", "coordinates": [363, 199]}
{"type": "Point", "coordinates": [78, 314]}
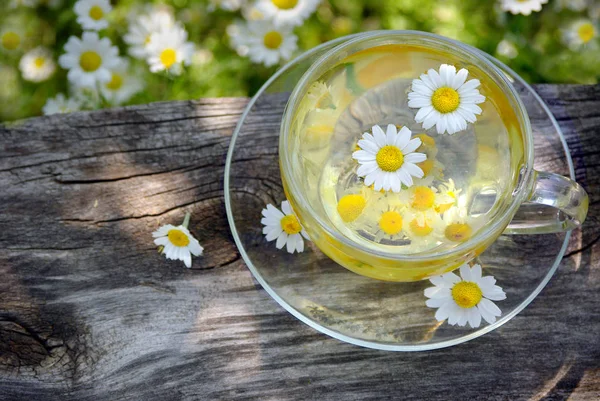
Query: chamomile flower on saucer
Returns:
{"type": "Point", "coordinates": [465, 299]}
{"type": "Point", "coordinates": [91, 14]}
{"type": "Point", "coordinates": [60, 104]}
{"type": "Point", "coordinates": [580, 33]}
{"type": "Point", "coordinates": [283, 227]}
{"type": "Point", "coordinates": [142, 27]}
{"type": "Point", "coordinates": [388, 159]}
{"type": "Point", "coordinates": [287, 12]}
{"type": "Point", "coordinates": [37, 65]}
{"type": "Point", "coordinates": [524, 7]}
{"type": "Point", "coordinates": [177, 242]}
{"type": "Point", "coordinates": [122, 85]}
{"type": "Point", "coordinates": [89, 59]}
{"type": "Point", "coordinates": [445, 99]}
{"type": "Point", "coordinates": [459, 225]}
{"type": "Point", "coordinates": [262, 41]}
{"type": "Point", "coordinates": [169, 50]}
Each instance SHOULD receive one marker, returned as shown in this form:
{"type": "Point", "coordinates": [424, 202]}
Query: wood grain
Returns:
{"type": "Point", "coordinates": [89, 310]}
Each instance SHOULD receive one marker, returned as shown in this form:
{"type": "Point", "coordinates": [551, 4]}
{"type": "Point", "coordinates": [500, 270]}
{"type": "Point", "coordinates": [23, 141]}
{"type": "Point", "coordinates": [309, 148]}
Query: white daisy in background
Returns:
{"type": "Point", "coordinates": [445, 99]}
{"type": "Point", "coordinates": [507, 49]}
{"type": "Point", "coordinates": [262, 42]}
{"type": "Point", "coordinates": [251, 12]}
{"type": "Point", "coordinates": [89, 59]}
{"type": "Point", "coordinates": [388, 159]}
{"type": "Point", "coordinates": [177, 243]}
{"type": "Point", "coordinates": [575, 5]}
{"type": "Point", "coordinates": [60, 104]}
{"type": "Point", "coordinates": [24, 3]}
{"type": "Point", "coordinates": [580, 33]}
{"type": "Point", "coordinates": [227, 5]}
{"type": "Point", "coordinates": [283, 227]}
{"type": "Point", "coordinates": [91, 14]}
{"type": "Point", "coordinates": [37, 65]}
{"type": "Point", "coordinates": [169, 50]}
{"type": "Point", "coordinates": [10, 39]}
{"type": "Point", "coordinates": [524, 7]}
{"type": "Point", "coordinates": [142, 27]}
{"type": "Point", "coordinates": [287, 12]}
{"type": "Point", "coordinates": [464, 299]}
{"type": "Point", "coordinates": [122, 85]}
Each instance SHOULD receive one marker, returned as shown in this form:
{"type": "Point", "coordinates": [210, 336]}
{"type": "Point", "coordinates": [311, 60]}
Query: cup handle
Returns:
{"type": "Point", "coordinates": [555, 204]}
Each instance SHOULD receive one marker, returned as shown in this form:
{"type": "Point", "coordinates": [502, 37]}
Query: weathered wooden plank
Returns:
{"type": "Point", "coordinates": [89, 310]}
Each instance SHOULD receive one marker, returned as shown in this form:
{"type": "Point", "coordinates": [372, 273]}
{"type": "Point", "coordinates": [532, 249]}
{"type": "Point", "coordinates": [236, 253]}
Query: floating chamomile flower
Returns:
{"type": "Point", "coordinates": [425, 230]}
{"type": "Point", "coordinates": [91, 14]}
{"type": "Point", "coordinates": [37, 65]}
{"type": "Point", "coordinates": [89, 59]}
{"type": "Point", "coordinates": [524, 7]}
{"type": "Point", "coordinates": [60, 104]}
{"type": "Point", "coordinates": [460, 227]}
{"type": "Point", "coordinates": [420, 199]}
{"type": "Point", "coordinates": [142, 28]}
{"type": "Point", "coordinates": [169, 50]}
{"type": "Point", "coordinates": [445, 99]}
{"type": "Point", "coordinates": [388, 159]}
{"type": "Point", "coordinates": [177, 242]}
{"type": "Point", "coordinates": [390, 224]}
{"type": "Point", "coordinates": [262, 41]}
{"type": "Point", "coordinates": [122, 85]}
{"type": "Point", "coordinates": [464, 299]}
{"type": "Point", "coordinates": [351, 206]}
{"type": "Point", "coordinates": [580, 33]}
{"type": "Point", "coordinates": [284, 227]}
{"type": "Point", "coordinates": [287, 12]}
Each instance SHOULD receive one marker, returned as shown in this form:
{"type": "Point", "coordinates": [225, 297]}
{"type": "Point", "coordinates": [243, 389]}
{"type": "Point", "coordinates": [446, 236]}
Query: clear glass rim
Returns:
{"type": "Point", "coordinates": [521, 188]}
{"type": "Point", "coordinates": [343, 337]}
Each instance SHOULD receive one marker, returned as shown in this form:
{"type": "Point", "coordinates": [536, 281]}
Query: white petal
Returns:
{"type": "Point", "coordinates": [460, 78]}
{"type": "Point", "coordinates": [378, 184]}
{"type": "Point", "coordinates": [405, 177]}
{"type": "Point", "coordinates": [291, 243]}
{"type": "Point", "coordinates": [447, 73]}
{"type": "Point", "coordinates": [187, 258]}
{"type": "Point", "coordinates": [195, 247]}
{"type": "Point", "coordinates": [379, 136]}
{"type": "Point", "coordinates": [411, 146]}
{"type": "Point", "coordinates": [420, 88]}
{"type": "Point", "coordinates": [273, 233]}
{"type": "Point", "coordinates": [363, 155]}
{"type": "Point", "coordinates": [466, 115]}
{"type": "Point", "coordinates": [281, 240]}
{"type": "Point", "coordinates": [474, 317]}
{"type": "Point", "coordinates": [476, 273]}
{"type": "Point", "coordinates": [440, 126]}
{"type": "Point", "coordinates": [463, 318]}
{"type": "Point", "coordinates": [455, 313]}
{"type": "Point", "coordinates": [436, 302]}
{"type": "Point", "coordinates": [437, 292]}
{"type": "Point", "coordinates": [274, 212]}
{"type": "Point", "coordinates": [403, 137]}
{"type": "Point", "coordinates": [423, 113]}
{"type": "Point", "coordinates": [444, 311]}
{"type": "Point", "coordinates": [490, 307]}
{"type": "Point", "coordinates": [162, 231]}
{"type": "Point", "coordinates": [413, 170]}
{"type": "Point", "coordinates": [305, 234]}
{"type": "Point", "coordinates": [419, 102]}
{"type": "Point", "coordinates": [415, 157]}
{"type": "Point", "coordinates": [386, 182]}
{"type": "Point", "coordinates": [390, 134]}
{"type": "Point", "coordinates": [473, 108]}
{"type": "Point", "coordinates": [370, 178]}
{"type": "Point", "coordinates": [468, 86]}
{"type": "Point", "coordinates": [270, 221]}
{"type": "Point", "coordinates": [451, 278]}
{"type": "Point", "coordinates": [437, 281]}
{"type": "Point", "coordinates": [490, 318]}
{"type": "Point", "coordinates": [161, 241]}
{"type": "Point", "coordinates": [431, 119]}
{"type": "Point", "coordinates": [367, 168]}
{"type": "Point", "coordinates": [299, 244]}
{"type": "Point", "coordinates": [428, 82]}
{"type": "Point", "coordinates": [465, 273]}
{"type": "Point", "coordinates": [369, 146]}
{"type": "Point", "coordinates": [287, 209]}
{"type": "Point", "coordinates": [396, 184]}
{"type": "Point", "coordinates": [497, 294]}
{"type": "Point", "coordinates": [435, 78]}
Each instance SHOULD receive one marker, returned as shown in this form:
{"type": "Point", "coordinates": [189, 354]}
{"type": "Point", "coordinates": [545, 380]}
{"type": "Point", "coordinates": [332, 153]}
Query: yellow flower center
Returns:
{"type": "Point", "coordinates": [272, 40]}
{"type": "Point", "coordinates": [423, 198]}
{"type": "Point", "coordinates": [426, 166]}
{"type": "Point", "coordinates": [420, 230]}
{"type": "Point", "coordinates": [178, 238]}
{"type": "Point", "coordinates": [290, 224]}
{"type": "Point", "coordinates": [458, 232]}
{"type": "Point", "coordinates": [39, 62]}
{"type": "Point", "coordinates": [284, 4]}
{"type": "Point", "coordinates": [391, 222]}
{"type": "Point", "coordinates": [11, 40]}
{"type": "Point", "coordinates": [426, 142]}
{"type": "Point", "coordinates": [445, 100]}
{"type": "Point", "coordinates": [350, 207]}
{"type": "Point", "coordinates": [115, 83]}
{"type": "Point", "coordinates": [147, 40]}
{"type": "Point", "coordinates": [90, 61]}
{"type": "Point", "coordinates": [586, 32]}
{"type": "Point", "coordinates": [96, 13]}
{"type": "Point", "coordinates": [168, 57]}
{"type": "Point", "coordinates": [466, 294]}
{"type": "Point", "coordinates": [389, 158]}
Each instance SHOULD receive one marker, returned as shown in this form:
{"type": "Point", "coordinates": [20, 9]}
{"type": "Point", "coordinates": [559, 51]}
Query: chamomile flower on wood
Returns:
{"type": "Point", "coordinates": [142, 27]}
{"type": "Point", "coordinates": [287, 12]}
{"type": "Point", "coordinates": [89, 59]}
{"type": "Point", "coordinates": [465, 299]}
{"type": "Point", "coordinates": [61, 104]}
{"type": "Point", "coordinates": [262, 41]}
{"type": "Point", "coordinates": [122, 85]}
{"type": "Point", "coordinates": [177, 243]}
{"type": "Point", "coordinates": [37, 65]}
{"type": "Point", "coordinates": [283, 227]}
{"type": "Point", "coordinates": [524, 7]}
{"type": "Point", "coordinates": [169, 50]}
{"type": "Point", "coordinates": [580, 33]}
{"type": "Point", "coordinates": [91, 14]}
{"type": "Point", "coordinates": [445, 99]}
{"type": "Point", "coordinates": [388, 159]}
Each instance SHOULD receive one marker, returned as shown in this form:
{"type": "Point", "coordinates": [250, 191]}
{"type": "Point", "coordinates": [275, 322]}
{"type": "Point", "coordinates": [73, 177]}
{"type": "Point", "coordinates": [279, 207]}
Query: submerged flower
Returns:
{"type": "Point", "coordinates": [460, 227]}
{"type": "Point", "coordinates": [177, 243]}
{"type": "Point", "coordinates": [424, 230]}
{"type": "Point", "coordinates": [60, 104]}
{"type": "Point", "coordinates": [390, 224]}
{"type": "Point", "coordinates": [283, 227]}
{"type": "Point", "coordinates": [445, 99]}
{"type": "Point", "coordinates": [580, 33]}
{"type": "Point", "coordinates": [388, 159]}
{"type": "Point", "coordinates": [37, 65]}
{"type": "Point", "coordinates": [169, 49]}
{"type": "Point", "coordinates": [464, 299]}
{"type": "Point", "coordinates": [141, 29]}
{"type": "Point", "coordinates": [262, 41]}
{"type": "Point", "coordinates": [122, 85]}
{"type": "Point", "coordinates": [351, 206]}
{"type": "Point", "coordinates": [91, 14]}
{"type": "Point", "coordinates": [89, 59]}
{"type": "Point", "coordinates": [524, 7]}
{"type": "Point", "coordinates": [287, 12]}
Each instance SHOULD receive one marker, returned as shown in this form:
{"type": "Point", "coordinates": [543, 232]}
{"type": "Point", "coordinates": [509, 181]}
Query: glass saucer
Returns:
{"type": "Point", "coordinates": [356, 309]}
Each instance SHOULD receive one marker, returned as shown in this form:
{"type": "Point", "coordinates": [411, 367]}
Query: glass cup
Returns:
{"type": "Point", "coordinates": [520, 201]}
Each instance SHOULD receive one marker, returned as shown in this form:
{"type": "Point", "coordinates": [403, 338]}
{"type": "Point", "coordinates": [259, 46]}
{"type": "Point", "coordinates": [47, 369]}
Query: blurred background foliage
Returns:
{"type": "Point", "coordinates": [532, 45]}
